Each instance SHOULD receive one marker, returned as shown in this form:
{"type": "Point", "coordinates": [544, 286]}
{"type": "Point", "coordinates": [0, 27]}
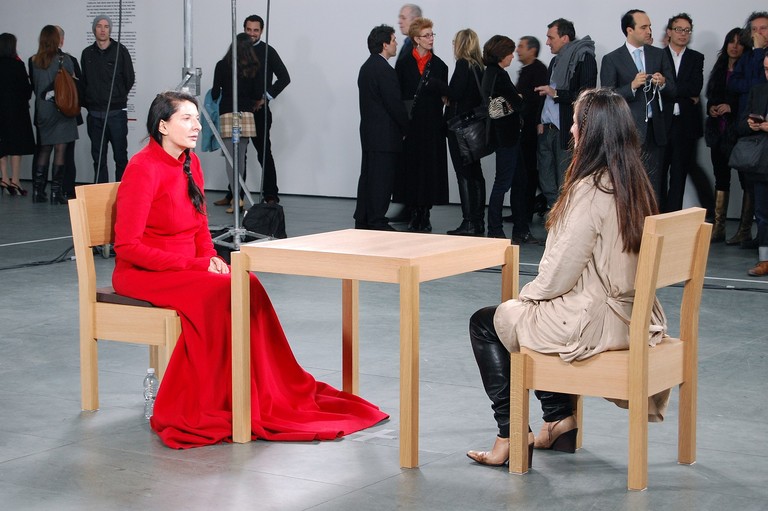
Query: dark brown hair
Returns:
{"type": "Point", "coordinates": [609, 145]}
{"type": "Point", "coordinates": [48, 46]}
{"type": "Point", "coordinates": [497, 48]}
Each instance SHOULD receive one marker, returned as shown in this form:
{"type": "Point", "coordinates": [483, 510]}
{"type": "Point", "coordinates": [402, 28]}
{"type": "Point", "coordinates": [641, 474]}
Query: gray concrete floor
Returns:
{"type": "Point", "coordinates": [53, 456]}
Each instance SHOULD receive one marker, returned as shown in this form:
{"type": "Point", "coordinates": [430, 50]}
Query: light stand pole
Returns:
{"type": "Point", "coordinates": [191, 76]}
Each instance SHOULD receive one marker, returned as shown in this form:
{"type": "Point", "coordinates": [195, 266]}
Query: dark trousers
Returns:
{"type": "Point", "coordinates": [265, 158]}
{"type": "Point", "coordinates": [70, 171]}
{"type": "Point", "coordinates": [493, 361]}
{"type": "Point", "coordinates": [116, 134]}
{"type": "Point", "coordinates": [653, 155]}
{"type": "Point", "coordinates": [529, 142]}
{"type": "Point", "coordinates": [761, 214]}
{"type": "Point", "coordinates": [507, 163]}
{"type": "Point", "coordinates": [374, 188]}
{"type": "Point", "coordinates": [679, 163]}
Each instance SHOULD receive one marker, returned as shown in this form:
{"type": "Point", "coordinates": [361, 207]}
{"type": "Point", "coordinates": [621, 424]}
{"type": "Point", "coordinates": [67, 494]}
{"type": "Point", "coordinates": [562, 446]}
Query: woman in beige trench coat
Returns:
{"type": "Point", "coordinates": [581, 300]}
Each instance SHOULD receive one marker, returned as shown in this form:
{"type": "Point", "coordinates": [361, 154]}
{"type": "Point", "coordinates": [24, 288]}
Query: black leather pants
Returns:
{"type": "Point", "coordinates": [493, 361]}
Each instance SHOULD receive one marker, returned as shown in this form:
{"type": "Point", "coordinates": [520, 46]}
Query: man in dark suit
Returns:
{"type": "Point", "coordinates": [383, 121]}
{"type": "Point", "coordinates": [572, 70]}
{"type": "Point", "coordinates": [641, 74]}
{"type": "Point", "coordinates": [684, 117]}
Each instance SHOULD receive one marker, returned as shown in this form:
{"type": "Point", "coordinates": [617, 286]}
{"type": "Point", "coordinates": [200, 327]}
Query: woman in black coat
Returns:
{"type": "Point", "coordinates": [463, 96]}
{"type": "Point", "coordinates": [422, 179]}
{"type": "Point", "coordinates": [720, 131]}
{"type": "Point", "coordinates": [16, 136]}
{"type": "Point", "coordinates": [498, 53]}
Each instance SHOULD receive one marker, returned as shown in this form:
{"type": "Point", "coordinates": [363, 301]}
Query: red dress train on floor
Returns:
{"type": "Point", "coordinates": [163, 251]}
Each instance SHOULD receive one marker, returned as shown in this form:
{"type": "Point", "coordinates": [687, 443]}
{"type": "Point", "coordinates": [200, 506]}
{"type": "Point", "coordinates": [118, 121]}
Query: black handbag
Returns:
{"type": "Point", "coordinates": [472, 131]}
{"type": "Point", "coordinates": [750, 154]}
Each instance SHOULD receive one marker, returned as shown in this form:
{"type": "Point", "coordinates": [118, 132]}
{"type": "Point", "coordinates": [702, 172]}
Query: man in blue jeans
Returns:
{"type": "Point", "coordinates": [105, 99]}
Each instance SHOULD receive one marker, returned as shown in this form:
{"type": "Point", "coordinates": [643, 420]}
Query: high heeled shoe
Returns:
{"type": "Point", "coordinates": [558, 436]}
{"type": "Point", "coordinates": [17, 189]}
{"type": "Point", "coordinates": [499, 454]}
{"type": "Point", "coordinates": [6, 186]}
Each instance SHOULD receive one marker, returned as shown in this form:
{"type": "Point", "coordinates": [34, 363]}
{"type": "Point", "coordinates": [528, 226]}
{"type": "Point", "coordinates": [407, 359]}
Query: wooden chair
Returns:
{"type": "Point", "coordinates": [674, 249]}
{"type": "Point", "coordinates": [103, 313]}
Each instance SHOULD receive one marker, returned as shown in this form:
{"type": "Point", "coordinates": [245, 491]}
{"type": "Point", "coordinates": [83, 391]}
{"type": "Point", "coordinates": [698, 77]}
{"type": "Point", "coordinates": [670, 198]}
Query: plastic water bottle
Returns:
{"type": "Point", "coordinates": [150, 392]}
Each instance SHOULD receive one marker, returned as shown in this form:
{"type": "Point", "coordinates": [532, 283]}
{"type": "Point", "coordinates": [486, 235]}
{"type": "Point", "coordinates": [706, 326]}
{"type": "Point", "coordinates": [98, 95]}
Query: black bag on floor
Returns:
{"type": "Point", "coordinates": [266, 219]}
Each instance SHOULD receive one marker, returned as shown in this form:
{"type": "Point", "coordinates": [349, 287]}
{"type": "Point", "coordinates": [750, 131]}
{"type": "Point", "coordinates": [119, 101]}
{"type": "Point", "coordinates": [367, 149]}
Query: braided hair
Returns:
{"type": "Point", "coordinates": [162, 108]}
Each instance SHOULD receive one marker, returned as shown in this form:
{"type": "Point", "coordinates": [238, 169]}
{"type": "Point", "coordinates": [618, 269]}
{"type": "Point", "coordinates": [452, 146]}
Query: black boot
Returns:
{"type": "Point", "coordinates": [57, 190]}
{"type": "Point", "coordinates": [477, 205]}
{"type": "Point", "coordinates": [493, 361]}
{"type": "Point", "coordinates": [466, 224]}
{"type": "Point", "coordinates": [426, 225]}
{"type": "Point", "coordinates": [415, 224]}
{"type": "Point", "coordinates": [745, 224]}
{"type": "Point", "coordinates": [39, 178]}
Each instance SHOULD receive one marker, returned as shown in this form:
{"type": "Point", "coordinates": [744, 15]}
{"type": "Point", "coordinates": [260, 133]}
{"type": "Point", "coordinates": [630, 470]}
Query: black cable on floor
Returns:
{"type": "Point", "coordinates": [64, 256]}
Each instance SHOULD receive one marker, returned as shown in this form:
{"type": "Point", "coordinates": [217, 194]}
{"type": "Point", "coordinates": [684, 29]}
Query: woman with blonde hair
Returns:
{"type": "Point", "coordinates": [463, 96]}
{"type": "Point", "coordinates": [56, 130]}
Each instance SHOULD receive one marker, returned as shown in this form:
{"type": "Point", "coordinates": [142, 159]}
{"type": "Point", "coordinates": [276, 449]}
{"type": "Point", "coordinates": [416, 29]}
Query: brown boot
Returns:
{"type": "Point", "coordinates": [721, 212]}
{"type": "Point", "coordinates": [745, 224]}
{"type": "Point", "coordinates": [559, 435]}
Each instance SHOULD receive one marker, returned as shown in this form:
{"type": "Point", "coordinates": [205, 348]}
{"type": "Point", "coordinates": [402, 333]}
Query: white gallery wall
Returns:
{"type": "Point", "coordinates": [323, 43]}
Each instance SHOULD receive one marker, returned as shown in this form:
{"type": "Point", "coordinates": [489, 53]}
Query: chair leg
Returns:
{"type": "Point", "coordinates": [686, 428]}
{"type": "Point", "coordinates": [578, 412]}
{"type": "Point", "coordinates": [89, 373]}
{"type": "Point", "coordinates": [154, 361]}
{"type": "Point", "coordinates": [518, 411]}
{"type": "Point", "coordinates": [637, 476]}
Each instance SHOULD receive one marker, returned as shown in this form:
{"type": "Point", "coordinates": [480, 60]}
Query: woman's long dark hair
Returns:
{"type": "Point", "coordinates": [247, 61]}
{"type": "Point", "coordinates": [608, 144]}
{"type": "Point", "coordinates": [721, 64]}
{"type": "Point", "coordinates": [163, 107]}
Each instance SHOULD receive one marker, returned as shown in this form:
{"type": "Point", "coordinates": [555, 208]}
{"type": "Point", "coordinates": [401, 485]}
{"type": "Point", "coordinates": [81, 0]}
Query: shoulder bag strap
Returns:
{"type": "Point", "coordinates": [423, 79]}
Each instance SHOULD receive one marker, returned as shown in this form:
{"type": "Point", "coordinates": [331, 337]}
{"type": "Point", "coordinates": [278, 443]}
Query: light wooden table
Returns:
{"type": "Point", "coordinates": [353, 255]}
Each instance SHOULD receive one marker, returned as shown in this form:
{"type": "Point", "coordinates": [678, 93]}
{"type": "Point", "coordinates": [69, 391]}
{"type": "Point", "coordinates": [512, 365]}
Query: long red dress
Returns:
{"type": "Point", "coordinates": [163, 251]}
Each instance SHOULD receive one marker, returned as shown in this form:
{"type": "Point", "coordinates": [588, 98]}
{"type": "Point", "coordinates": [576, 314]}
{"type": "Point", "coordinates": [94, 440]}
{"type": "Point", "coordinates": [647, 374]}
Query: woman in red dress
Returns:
{"type": "Point", "coordinates": [165, 256]}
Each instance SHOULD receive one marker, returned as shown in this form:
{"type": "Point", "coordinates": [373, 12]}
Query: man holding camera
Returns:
{"type": "Point", "coordinates": [642, 75]}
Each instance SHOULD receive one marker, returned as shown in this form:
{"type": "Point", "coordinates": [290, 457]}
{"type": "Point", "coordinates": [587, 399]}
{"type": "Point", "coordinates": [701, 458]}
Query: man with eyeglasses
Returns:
{"type": "Point", "coordinates": [642, 75]}
{"type": "Point", "coordinates": [684, 117]}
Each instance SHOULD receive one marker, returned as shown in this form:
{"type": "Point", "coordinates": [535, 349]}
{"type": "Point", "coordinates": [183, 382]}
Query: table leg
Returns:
{"type": "Point", "coordinates": [409, 366]}
{"type": "Point", "coordinates": [510, 273]}
{"type": "Point", "coordinates": [350, 336]}
{"type": "Point", "coordinates": [241, 349]}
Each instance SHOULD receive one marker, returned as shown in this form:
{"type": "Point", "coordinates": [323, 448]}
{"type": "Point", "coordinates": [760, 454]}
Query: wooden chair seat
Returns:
{"type": "Point", "coordinates": [108, 295]}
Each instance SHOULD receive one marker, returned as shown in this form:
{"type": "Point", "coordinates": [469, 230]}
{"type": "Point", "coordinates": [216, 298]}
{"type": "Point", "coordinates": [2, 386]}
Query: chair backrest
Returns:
{"type": "Point", "coordinates": [674, 249]}
{"type": "Point", "coordinates": [92, 215]}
